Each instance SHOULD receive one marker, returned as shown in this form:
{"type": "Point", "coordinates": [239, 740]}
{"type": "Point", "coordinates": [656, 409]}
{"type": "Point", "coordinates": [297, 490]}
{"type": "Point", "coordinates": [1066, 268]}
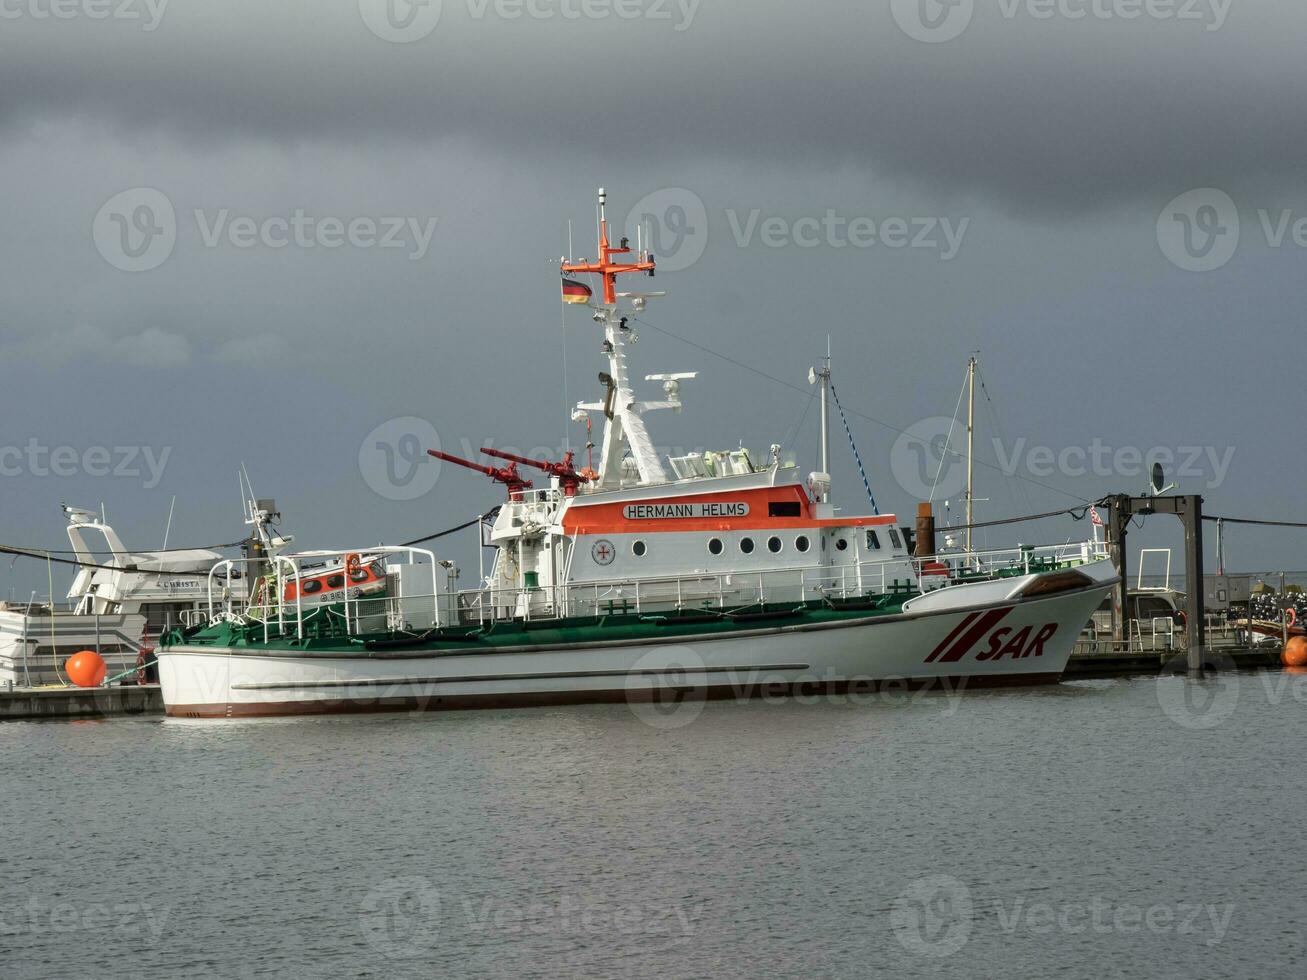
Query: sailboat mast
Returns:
{"type": "Point", "coordinates": [971, 446]}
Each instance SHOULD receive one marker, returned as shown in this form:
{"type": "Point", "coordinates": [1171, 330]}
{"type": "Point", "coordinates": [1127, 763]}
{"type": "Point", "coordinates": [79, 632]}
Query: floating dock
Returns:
{"type": "Point", "coordinates": [80, 702]}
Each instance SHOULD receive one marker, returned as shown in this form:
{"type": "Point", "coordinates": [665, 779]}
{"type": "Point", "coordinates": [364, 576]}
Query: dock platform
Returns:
{"type": "Point", "coordinates": [80, 702]}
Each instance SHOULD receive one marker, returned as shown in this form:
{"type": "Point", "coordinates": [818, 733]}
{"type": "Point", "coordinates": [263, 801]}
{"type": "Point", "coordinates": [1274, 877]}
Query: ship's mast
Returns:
{"type": "Point", "coordinates": [823, 376]}
{"type": "Point", "coordinates": [623, 415]}
{"type": "Point", "coordinates": [971, 446]}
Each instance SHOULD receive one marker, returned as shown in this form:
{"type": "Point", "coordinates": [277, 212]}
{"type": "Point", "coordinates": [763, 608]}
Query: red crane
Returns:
{"type": "Point", "coordinates": [507, 475]}
{"type": "Point", "coordinates": [568, 478]}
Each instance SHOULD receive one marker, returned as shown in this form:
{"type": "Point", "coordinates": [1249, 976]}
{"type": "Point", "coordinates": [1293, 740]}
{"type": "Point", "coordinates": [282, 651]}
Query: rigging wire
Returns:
{"type": "Point", "coordinates": [793, 434]}
{"type": "Point", "coordinates": [862, 415]}
{"type": "Point", "coordinates": [854, 446]}
{"type": "Point", "coordinates": [49, 556]}
{"type": "Point", "coordinates": [948, 442]}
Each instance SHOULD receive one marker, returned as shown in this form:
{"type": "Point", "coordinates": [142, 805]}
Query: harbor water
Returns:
{"type": "Point", "coordinates": [1139, 827]}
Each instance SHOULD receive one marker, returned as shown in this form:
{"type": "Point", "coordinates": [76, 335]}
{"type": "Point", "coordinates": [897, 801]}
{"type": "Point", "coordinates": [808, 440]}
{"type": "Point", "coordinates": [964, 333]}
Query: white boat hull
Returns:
{"type": "Point", "coordinates": [968, 636]}
{"type": "Point", "coordinates": [33, 648]}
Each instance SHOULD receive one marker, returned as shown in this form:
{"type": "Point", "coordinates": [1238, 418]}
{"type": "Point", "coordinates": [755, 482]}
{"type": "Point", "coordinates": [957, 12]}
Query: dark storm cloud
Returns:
{"type": "Point", "coordinates": [1041, 105]}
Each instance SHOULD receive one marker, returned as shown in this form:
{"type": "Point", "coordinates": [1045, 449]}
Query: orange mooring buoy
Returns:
{"type": "Point", "coordinates": [86, 668]}
{"type": "Point", "coordinates": [1295, 652]}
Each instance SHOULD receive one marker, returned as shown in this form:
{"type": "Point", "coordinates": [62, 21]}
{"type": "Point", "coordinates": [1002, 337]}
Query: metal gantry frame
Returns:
{"type": "Point", "coordinates": [1189, 509]}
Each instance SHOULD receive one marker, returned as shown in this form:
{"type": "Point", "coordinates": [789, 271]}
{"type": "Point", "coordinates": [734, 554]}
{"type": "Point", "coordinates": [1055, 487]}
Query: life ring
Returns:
{"type": "Point", "coordinates": [1180, 618]}
{"type": "Point", "coordinates": [352, 562]}
{"type": "Point", "coordinates": [1291, 615]}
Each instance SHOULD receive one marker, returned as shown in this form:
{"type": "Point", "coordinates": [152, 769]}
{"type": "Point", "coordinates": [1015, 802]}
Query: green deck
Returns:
{"type": "Point", "coordinates": [324, 627]}
{"type": "Point", "coordinates": [324, 630]}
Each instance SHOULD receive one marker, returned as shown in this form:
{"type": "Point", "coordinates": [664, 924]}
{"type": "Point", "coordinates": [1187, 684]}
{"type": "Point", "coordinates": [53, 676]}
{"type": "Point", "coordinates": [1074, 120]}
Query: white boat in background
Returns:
{"type": "Point", "coordinates": [723, 573]}
{"type": "Point", "coordinates": [120, 601]}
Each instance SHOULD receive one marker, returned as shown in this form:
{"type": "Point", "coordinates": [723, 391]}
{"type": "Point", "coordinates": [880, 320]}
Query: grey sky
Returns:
{"type": "Point", "coordinates": [1056, 143]}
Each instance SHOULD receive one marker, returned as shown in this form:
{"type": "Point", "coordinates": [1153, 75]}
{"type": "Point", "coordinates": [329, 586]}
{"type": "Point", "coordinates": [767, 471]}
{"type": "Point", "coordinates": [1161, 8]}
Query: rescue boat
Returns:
{"type": "Point", "coordinates": [639, 578]}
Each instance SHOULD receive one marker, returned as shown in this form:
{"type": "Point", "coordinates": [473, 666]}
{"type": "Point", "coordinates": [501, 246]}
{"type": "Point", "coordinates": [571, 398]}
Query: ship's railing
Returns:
{"type": "Point", "coordinates": [738, 587]}
{"type": "Point", "coordinates": [542, 495]}
{"type": "Point", "coordinates": [280, 617]}
{"type": "Point", "coordinates": [399, 611]}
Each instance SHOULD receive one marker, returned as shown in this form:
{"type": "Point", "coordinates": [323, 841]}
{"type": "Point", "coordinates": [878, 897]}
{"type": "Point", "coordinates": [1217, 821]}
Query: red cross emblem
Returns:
{"type": "Point", "coordinates": [603, 552]}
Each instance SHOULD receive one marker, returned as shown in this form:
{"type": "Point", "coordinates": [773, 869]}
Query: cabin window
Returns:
{"type": "Point", "coordinates": [784, 508]}
{"type": "Point", "coordinates": [311, 586]}
{"type": "Point", "coordinates": [841, 544]}
{"type": "Point", "coordinates": [638, 549]}
{"type": "Point", "coordinates": [335, 581]}
{"type": "Point", "coordinates": [801, 543]}
{"type": "Point", "coordinates": [774, 545]}
{"type": "Point", "coordinates": [715, 546]}
{"type": "Point", "coordinates": [894, 539]}
{"type": "Point", "coordinates": [746, 545]}
{"type": "Point", "coordinates": [873, 540]}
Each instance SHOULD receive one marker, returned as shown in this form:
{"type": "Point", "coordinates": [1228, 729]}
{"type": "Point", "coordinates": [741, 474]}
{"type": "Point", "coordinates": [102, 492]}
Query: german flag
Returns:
{"type": "Point", "coordinates": [575, 292]}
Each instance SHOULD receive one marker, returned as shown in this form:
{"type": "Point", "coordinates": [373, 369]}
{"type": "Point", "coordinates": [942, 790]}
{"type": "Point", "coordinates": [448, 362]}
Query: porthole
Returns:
{"type": "Point", "coordinates": [801, 543]}
{"type": "Point", "coordinates": [715, 546]}
{"type": "Point", "coordinates": [774, 545]}
{"type": "Point", "coordinates": [746, 545]}
{"type": "Point", "coordinates": [841, 544]}
{"type": "Point", "coordinates": [638, 549]}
